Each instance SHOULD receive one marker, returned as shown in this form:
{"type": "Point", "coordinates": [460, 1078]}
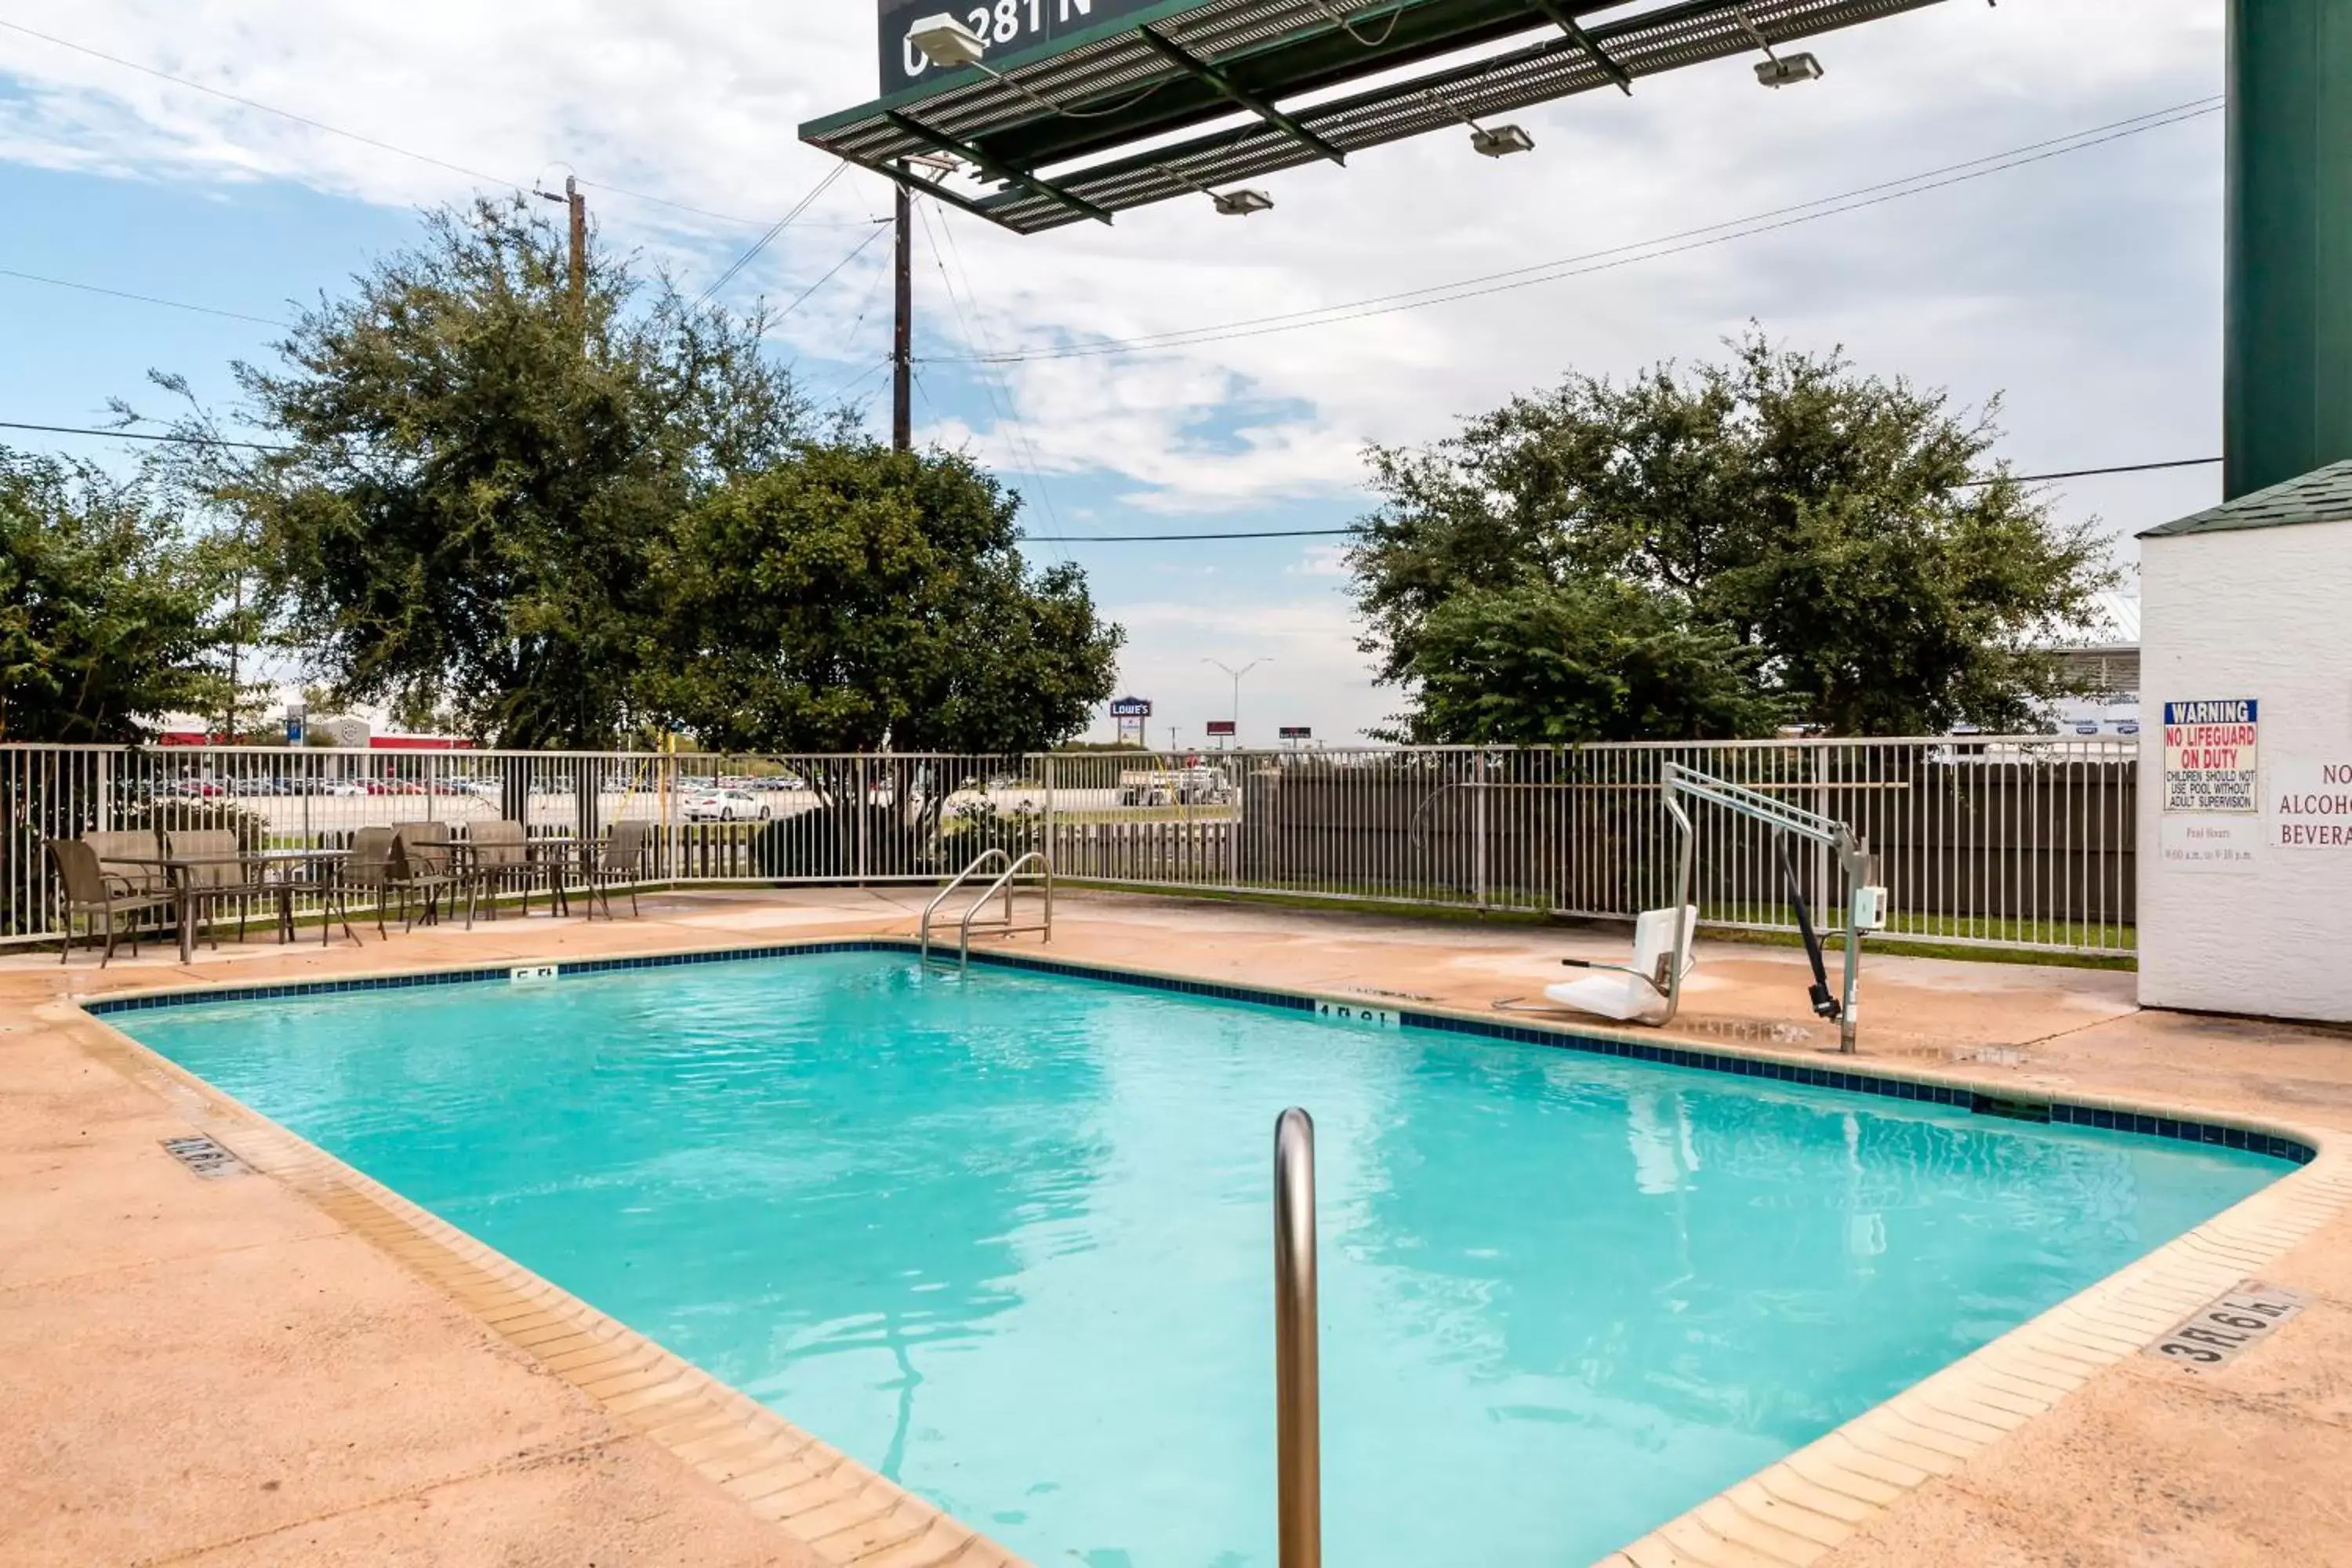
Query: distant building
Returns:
{"type": "Point", "coordinates": [2105, 657]}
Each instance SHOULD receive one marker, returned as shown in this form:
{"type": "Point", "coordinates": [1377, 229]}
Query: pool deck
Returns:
{"type": "Point", "coordinates": [294, 1367]}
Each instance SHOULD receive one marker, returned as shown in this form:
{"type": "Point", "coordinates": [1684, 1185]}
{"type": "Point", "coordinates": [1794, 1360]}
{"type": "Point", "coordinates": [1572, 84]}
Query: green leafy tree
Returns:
{"type": "Point", "coordinates": [111, 612]}
{"type": "Point", "coordinates": [853, 598]}
{"type": "Point", "coordinates": [1589, 659]}
{"type": "Point", "coordinates": [481, 468]}
{"type": "Point", "coordinates": [1842, 530]}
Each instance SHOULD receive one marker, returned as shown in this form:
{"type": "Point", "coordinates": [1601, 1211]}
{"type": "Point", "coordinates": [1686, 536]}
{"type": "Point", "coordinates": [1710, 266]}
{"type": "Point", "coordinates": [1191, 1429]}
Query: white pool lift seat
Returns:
{"type": "Point", "coordinates": [1638, 992]}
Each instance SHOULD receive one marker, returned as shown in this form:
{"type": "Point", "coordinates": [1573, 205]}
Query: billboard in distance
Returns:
{"type": "Point", "coordinates": [1009, 29]}
{"type": "Point", "coordinates": [1221, 727]}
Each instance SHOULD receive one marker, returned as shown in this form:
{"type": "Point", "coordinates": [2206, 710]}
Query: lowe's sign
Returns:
{"type": "Point", "coordinates": [1013, 30]}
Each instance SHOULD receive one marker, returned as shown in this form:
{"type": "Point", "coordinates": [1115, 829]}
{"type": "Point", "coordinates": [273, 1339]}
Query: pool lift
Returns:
{"type": "Point", "coordinates": [1650, 992]}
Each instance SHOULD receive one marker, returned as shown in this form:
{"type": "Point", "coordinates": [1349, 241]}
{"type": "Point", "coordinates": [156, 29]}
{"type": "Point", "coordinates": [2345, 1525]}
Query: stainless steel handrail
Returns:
{"type": "Point", "coordinates": [1298, 1398]}
{"type": "Point", "coordinates": [980, 863]}
{"type": "Point", "coordinates": [1003, 884]}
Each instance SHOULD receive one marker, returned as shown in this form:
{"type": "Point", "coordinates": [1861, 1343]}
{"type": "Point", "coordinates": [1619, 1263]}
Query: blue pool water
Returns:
{"type": "Point", "coordinates": [1006, 1237]}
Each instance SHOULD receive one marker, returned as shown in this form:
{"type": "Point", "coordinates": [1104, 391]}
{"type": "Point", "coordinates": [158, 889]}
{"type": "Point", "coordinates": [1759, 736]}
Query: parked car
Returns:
{"type": "Point", "coordinates": [726, 805]}
{"type": "Point", "coordinates": [343, 788]}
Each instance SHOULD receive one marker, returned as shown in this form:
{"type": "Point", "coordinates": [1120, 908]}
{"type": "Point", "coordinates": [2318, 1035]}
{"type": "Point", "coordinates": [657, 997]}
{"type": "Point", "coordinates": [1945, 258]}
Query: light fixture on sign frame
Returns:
{"type": "Point", "coordinates": [1776, 71]}
{"type": "Point", "coordinates": [945, 42]}
{"type": "Point", "coordinates": [1241, 203]}
{"type": "Point", "coordinates": [1500, 142]}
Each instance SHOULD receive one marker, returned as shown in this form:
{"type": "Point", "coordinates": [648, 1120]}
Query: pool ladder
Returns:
{"type": "Point", "coordinates": [1009, 871]}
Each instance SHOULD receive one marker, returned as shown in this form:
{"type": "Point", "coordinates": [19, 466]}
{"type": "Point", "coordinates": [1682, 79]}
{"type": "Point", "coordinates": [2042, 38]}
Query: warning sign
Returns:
{"type": "Point", "coordinates": [2211, 757]}
{"type": "Point", "coordinates": [2312, 806]}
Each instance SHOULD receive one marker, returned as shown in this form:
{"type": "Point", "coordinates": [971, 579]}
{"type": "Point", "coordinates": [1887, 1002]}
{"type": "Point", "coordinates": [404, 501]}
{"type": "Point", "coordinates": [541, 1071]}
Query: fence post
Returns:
{"type": "Point", "coordinates": [1051, 837]}
{"type": "Point", "coordinates": [1478, 793]}
{"type": "Point", "coordinates": [865, 815]}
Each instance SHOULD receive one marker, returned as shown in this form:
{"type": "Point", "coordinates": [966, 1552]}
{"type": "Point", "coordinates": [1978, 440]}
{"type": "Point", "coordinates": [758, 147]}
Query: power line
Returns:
{"type": "Point", "coordinates": [145, 436]}
{"type": "Point", "coordinates": [1614, 257]}
{"type": "Point", "coordinates": [774, 229]}
{"type": "Point", "coordinates": [142, 298]}
{"type": "Point", "coordinates": [1008, 404]}
{"type": "Point", "coordinates": [1342, 533]}
{"type": "Point", "coordinates": [856, 251]}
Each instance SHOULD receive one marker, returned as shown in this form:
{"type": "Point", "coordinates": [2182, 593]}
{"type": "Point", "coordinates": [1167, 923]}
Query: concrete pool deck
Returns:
{"type": "Point", "coordinates": [285, 1370]}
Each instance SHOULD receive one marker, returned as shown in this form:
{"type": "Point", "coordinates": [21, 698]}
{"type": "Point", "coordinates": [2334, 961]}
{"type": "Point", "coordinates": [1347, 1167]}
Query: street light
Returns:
{"type": "Point", "coordinates": [1237, 675]}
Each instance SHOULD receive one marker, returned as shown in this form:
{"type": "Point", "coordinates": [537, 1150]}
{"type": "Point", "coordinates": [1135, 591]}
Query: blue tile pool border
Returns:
{"type": "Point", "coordinates": [2059, 1112]}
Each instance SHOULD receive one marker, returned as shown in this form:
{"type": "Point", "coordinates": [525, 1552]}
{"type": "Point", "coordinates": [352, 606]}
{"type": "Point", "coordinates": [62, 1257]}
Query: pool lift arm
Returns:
{"type": "Point", "coordinates": [1865, 912]}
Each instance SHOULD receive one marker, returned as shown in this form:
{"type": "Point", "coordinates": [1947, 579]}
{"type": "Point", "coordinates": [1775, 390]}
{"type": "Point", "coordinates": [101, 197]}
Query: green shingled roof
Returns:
{"type": "Point", "coordinates": [2322, 495]}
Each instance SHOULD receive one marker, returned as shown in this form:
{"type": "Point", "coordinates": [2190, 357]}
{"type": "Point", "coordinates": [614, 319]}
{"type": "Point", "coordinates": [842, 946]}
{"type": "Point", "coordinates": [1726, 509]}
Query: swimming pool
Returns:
{"type": "Point", "coordinates": [1004, 1237]}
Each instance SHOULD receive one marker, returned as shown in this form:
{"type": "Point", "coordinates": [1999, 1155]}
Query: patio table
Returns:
{"type": "Point", "coordinates": [559, 852]}
{"type": "Point", "coordinates": [177, 867]}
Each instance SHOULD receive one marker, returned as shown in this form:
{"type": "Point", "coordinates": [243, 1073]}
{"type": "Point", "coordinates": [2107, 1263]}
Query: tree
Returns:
{"type": "Point", "coordinates": [482, 469]}
{"type": "Point", "coordinates": [110, 613]}
{"type": "Point", "coordinates": [1587, 659]}
{"type": "Point", "coordinates": [1839, 527]}
{"type": "Point", "coordinates": [855, 598]}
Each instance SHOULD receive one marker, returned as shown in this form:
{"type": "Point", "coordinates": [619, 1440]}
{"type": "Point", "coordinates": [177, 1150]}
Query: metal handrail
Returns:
{"type": "Point", "coordinates": [1298, 1398]}
{"type": "Point", "coordinates": [1003, 885]}
{"type": "Point", "coordinates": [980, 863]}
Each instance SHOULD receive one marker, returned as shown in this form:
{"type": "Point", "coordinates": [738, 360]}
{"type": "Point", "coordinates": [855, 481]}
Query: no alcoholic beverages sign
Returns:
{"type": "Point", "coordinates": [2312, 805]}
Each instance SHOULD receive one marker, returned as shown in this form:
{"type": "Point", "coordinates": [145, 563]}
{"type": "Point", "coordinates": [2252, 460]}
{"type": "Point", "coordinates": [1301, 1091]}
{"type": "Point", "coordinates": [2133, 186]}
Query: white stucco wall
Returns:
{"type": "Point", "coordinates": [2266, 615]}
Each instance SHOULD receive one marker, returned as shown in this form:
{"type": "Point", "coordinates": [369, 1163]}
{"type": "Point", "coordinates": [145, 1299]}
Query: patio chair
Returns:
{"type": "Point", "coordinates": [1633, 993]}
{"type": "Point", "coordinates": [502, 860]}
{"type": "Point", "coordinates": [423, 865]}
{"type": "Point", "coordinates": [93, 892]}
{"type": "Point", "coordinates": [137, 846]}
{"type": "Point", "coordinates": [621, 862]}
{"type": "Point", "coordinates": [368, 871]}
{"type": "Point", "coordinates": [218, 876]}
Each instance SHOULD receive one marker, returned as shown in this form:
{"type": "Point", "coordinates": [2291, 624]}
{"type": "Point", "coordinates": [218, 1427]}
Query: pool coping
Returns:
{"type": "Point", "coordinates": [1792, 1512]}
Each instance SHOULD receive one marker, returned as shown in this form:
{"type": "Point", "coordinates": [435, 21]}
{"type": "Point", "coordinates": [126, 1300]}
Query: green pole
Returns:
{"type": "Point", "coordinates": [2287, 395]}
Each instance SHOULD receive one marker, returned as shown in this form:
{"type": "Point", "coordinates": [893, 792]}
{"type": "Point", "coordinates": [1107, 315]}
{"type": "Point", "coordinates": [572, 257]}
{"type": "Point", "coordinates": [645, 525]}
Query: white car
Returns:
{"type": "Point", "coordinates": [726, 805]}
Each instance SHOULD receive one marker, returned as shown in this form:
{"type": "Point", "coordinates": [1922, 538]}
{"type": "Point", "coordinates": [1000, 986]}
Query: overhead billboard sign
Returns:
{"type": "Point", "coordinates": [1012, 29]}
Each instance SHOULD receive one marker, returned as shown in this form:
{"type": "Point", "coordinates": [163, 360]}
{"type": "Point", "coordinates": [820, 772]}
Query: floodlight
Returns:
{"type": "Point", "coordinates": [1501, 142]}
{"type": "Point", "coordinates": [945, 42]}
{"type": "Point", "coordinates": [1241, 203]}
{"type": "Point", "coordinates": [1789, 71]}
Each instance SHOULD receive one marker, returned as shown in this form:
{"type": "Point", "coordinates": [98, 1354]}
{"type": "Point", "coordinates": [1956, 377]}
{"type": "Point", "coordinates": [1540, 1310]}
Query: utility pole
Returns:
{"type": "Point", "coordinates": [577, 208]}
{"type": "Point", "coordinates": [902, 342]}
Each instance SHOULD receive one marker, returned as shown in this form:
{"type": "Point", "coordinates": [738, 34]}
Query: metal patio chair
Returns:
{"type": "Point", "coordinates": [501, 859]}
{"type": "Point", "coordinates": [93, 892]}
{"type": "Point", "coordinates": [622, 860]}
{"type": "Point", "coordinates": [424, 864]}
{"type": "Point", "coordinates": [216, 874]}
{"type": "Point", "coordinates": [367, 869]}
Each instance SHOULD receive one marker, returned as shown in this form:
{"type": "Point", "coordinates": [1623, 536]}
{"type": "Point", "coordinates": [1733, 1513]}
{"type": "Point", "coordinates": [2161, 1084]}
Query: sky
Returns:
{"type": "Point", "coordinates": [2080, 286]}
